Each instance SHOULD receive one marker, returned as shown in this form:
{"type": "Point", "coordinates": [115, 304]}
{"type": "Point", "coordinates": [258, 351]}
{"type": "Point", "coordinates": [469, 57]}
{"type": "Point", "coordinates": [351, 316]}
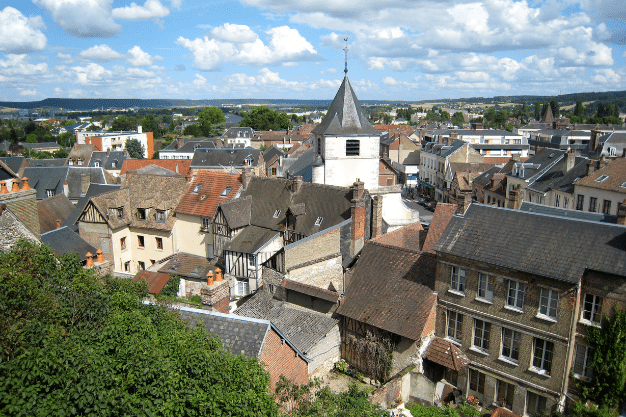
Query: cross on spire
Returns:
{"type": "Point", "coordinates": [346, 52]}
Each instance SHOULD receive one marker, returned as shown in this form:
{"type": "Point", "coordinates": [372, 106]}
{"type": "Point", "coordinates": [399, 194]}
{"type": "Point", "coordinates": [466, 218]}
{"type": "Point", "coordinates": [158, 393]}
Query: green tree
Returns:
{"type": "Point", "coordinates": [579, 109]}
{"type": "Point", "coordinates": [73, 343]}
{"type": "Point", "coordinates": [66, 139]}
{"type": "Point", "coordinates": [124, 123]}
{"type": "Point", "coordinates": [61, 153]}
{"type": "Point", "coordinates": [211, 121]}
{"type": "Point", "coordinates": [93, 128]}
{"type": "Point", "coordinates": [264, 118]}
{"type": "Point", "coordinates": [556, 108]}
{"type": "Point", "coordinates": [537, 112]}
{"type": "Point", "coordinates": [134, 148]}
{"type": "Point", "coordinates": [31, 138]}
{"type": "Point", "coordinates": [43, 155]}
{"type": "Point", "coordinates": [608, 385]}
{"type": "Point", "coordinates": [458, 119]}
{"type": "Point", "coordinates": [150, 124]}
{"type": "Point", "coordinates": [193, 130]}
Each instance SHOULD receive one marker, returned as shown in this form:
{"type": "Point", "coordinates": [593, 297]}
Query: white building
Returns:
{"type": "Point", "coordinates": [116, 141]}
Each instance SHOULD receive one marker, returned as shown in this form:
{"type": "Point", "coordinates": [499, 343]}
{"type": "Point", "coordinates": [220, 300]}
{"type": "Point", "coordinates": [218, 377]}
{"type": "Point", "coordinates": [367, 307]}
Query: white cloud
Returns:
{"type": "Point", "coordinates": [286, 45]}
{"type": "Point", "coordinates": [607, 77]}
{"type": "Point", "coordinates": [138, 58]}
{"type": "Point", "coordinates": [19, 34]}
{"type": "Point", "coordinates": [19, 65]}
{"type": "Point", "coordinates": [28, 92]}
{"type": "Point", "coordinates": [66, 58]}
{"type": "Point", "coordinates": [152, 9]}
{"type": "Point", "coordinates": [199, 81]}
{"type": "Point", "coordinates": [86, 19]}
{"type": "Point", "coordinates": [234, 33]}
{"type": "Point", "coordinates": [329, 71]}
{"type": "Point", "coordinates": [91, 74]}
{"type": "Point", "coordinates": [176, 3]}
{"type": "Point", "coordinates": [100, 53]}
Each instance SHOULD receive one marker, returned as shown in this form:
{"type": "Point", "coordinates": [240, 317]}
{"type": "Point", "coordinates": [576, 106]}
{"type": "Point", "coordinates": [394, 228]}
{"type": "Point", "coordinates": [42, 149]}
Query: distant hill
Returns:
{"type": "Point", "coordinates": [614, 97]}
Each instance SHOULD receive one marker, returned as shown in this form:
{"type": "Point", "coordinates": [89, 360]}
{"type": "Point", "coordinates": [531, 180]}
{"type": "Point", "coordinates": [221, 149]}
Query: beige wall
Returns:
{"type": "Point", "coordinates": [188, 236]}
{"type": "Point", "coordinates": [149, 252]}
{"type": "Point", "coordinates": [614, 197]}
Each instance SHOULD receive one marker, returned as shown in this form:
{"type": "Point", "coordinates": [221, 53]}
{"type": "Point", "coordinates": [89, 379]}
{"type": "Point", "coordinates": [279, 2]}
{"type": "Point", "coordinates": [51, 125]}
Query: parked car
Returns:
{"type": "Point", "coordinates": [431, 205]}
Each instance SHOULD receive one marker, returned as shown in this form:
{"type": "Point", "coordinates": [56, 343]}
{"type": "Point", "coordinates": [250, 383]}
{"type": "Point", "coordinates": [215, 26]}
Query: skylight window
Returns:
{"type": "Point", "coordinates": [623, 185]}
{"type": "Point", "coordinates": [276, 214]}
{"type": "Point", "coordinates": [318, 221]}
{"type": "Point", "coordinates": [197, 189]}
{"type": "Point", "coordinates": [602, 178]}
{"type": "Point", "coordinates": [226, 192]}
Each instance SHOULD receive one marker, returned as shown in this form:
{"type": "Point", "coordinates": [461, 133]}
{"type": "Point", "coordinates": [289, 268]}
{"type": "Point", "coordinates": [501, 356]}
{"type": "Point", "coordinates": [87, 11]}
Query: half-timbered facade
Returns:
{"type": "Point", "coordinates": [134, 225]}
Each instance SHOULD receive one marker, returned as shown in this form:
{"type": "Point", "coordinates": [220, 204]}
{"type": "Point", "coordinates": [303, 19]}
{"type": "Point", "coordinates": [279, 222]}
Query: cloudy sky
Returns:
{"type": "Point", "coordinates": [398, 49]}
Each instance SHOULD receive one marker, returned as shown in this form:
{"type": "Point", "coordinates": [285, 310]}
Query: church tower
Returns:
{"type": "Point", "coordinates": [346, 144]}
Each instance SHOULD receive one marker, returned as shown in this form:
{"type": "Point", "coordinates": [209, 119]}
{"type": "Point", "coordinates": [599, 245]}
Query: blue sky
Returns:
{"type": "Point", "coordinates": [398, 49]}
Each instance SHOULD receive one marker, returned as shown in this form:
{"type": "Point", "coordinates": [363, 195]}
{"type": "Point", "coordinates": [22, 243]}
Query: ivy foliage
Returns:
{"type": "Point", "coordinates": [608, 385]}
{"type": "Point", "coordinates": [72, 343]}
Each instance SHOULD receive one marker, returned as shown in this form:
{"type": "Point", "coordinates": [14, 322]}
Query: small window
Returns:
{"type": "Point", "coordinates": [542, 355]}
{"type": "Point", "coordinates": [352, 147]}
{"type": "Point", "coordinates": [97, 164]}
{"type": "Point", "coordinates": [127, 266]}
{"type": "Point", "coordinates": [197, 189]}
{"type": "Point", "coordinates": [141, 265]}
{"type": "Point", "coordinates": [535, 404]}
{"type": "Point", "coordinates": [485, 287]}
{"type": "Point", "coordinates": [476, 381]}
{"type": "Point", "coordinates": [160, 216]}
{"type": "Point", "coordinates": [226, 192]}
{"type": "Point", "coordinates": [457, 279]}
{"type": "Point", "coordinates": [140, 241]}
{"type": "Point", "coordinates": [49, 193]}
{"type": "Point", "coordinates": [482, 330]}
{"type": "Point", "coordinates": [206, 222]}
{"type": "Point", "coordinates": [455, 326]}
{"type": "Point", "coordinates": [602, 178]}
{"type": "Point", "coordinates": [318, 221]}
{"type": "Point", "coordinates": [606, 207]}
{"type": "Point", "coordinates": [593, 202]}
{"type": "Point", "coordinates": [583, 361]}
{"type": "Point", "coordinates": [141, 214]}
{"type": "Point", "coordinates": [119, 212]}
{"type": "Point", "coordinates": [515, 297]}
{"type": "Point", "coordinates": [123, 243]}
{"type": "Point", "coordinates": [276, 214]}
{"type": "Point", "coordinates": [548, 303]}
{"type": "Point", "coordinates": [510, 344]}
{"type": "Point", "coordinates": [159, 243]}
{"type": "Point", "coordinates": [592, 309]}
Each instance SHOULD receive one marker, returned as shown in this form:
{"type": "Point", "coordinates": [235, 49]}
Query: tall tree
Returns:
{"type": "Point", "coordinates": [556, 108]}
{"type": "Point", "coordinates": [537, 112]}
{"type": "Point", "coordinates": [579, 110]}
{"type": "Point", "coordinates": [264, 118]}
{"type": "Point", "coordinates": [134, 148]}
{"type": "Point", "coordinates": [211, 121]}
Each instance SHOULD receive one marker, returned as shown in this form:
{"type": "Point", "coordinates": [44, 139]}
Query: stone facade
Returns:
{"type": "Point", "coordinates": [216, 296]}
{"type": "Point", "coordinates": [23, 203]}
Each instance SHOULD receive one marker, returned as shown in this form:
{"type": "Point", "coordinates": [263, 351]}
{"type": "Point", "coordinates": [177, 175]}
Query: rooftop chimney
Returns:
{"type": "Point", "coordinates": [89, 257]}
{"type": "Point", "coordinates": [377, 216]}
{"type": "Point", "coordinates": [3, 187]}
{"type": "Point", "coordinates": [591, 168]}
{"type": "Point", "coordinates": [514, 200]}
{"type": "Point", "coordinates": [246, 177]}
{"type": "Point", "coordinates": [58, 224]}
{"type": "Point", "coordinates": [25, 185]}
{"type": "Point", "coordinates": [15, 188]}
{"type": "Point", "coordinates": [209, 278]}
{"type": "Point", "coordinates": [463, 203]}
{"type": "Point", "coordinates": [99, 256]}
{"type": "Point", "coordinates": [296, 184]}
{"type": "Point", "coordinates": [571, 160]}
{"type": "Point", "coordinates": [218, 275]}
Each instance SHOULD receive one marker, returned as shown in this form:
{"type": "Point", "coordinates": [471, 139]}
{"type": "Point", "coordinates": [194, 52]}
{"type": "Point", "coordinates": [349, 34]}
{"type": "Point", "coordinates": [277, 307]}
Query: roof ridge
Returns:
{"type": "Point", "coordinates": [386, 245]}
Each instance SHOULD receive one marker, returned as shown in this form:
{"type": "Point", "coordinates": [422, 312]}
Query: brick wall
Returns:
{"type": "Point", "coordinates": [217, 296]}
{"type": "Point", "coordinates": [280, 359]}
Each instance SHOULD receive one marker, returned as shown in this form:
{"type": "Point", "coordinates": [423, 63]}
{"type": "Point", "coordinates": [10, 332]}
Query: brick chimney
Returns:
{"type": "Point", "coordinates": [621, 213]}
{"type": "Point", "coordinates": [463, 203]}
{"type": "Point", "coordinates": [513, 200]}
{"type": "Point", "coordinates": [99, 256]}
{"type": "Point", "coordinates": [591, 168]}
{"type": "Point", "coordinates": [593, 140]}
{"type": "Point", "coordinates": [246, 176]}
{"type": "Point", "coordinates": [89, 257]}
{"type": "Point", "coordinates": [296, 184]}
{"type": "Point", "coordinates": [357, 213]}
{"type": "Point", "coordinates": [377, 216]}
{"type": "Point", "coordinates": [58, 224]}
{"type": "Point", "coordinates": [215, 294]}
{"type": "Point", "coordinates": [3, 187]}
{"type": "Point", "coordinates": [179, 142]}
{"type": "Point", "coordinates": [570, 161]}
{"type": "Point", "coordinates": [25, 185]}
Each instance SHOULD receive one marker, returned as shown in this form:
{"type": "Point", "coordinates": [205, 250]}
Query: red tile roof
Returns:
{"type": "Point", "coordinates": [134, 164]}
{"type": "Point", "coordinates": [204, 202]}
{"type": "Point", "coordinates": [447, 354]}
{"type": "Point", "coordinates": [441, 218]}
{"type": "Point", "coordinates": [616, 176]}
{"type": "Point", "coordinates": [407, 237]}
{"type": "Point", "coordinates": [154, 280]}
{"type": "Point", "coordinates": [503, 412]}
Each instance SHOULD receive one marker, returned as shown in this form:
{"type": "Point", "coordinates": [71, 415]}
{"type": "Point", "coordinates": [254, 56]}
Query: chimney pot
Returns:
{"type": "Point", "coordinates": [3, 187]}
{"type": "Point", "coordinates": [58, 224]}
{"type": "Point", "coordinates": [99, 256]}
{"type": "Point", "coordinates": [25, 185]}
{"type": "Point", "coordinates": [89, 257]}
{"type": "Point", "coordinates": [209, 278]}
{"type": "Point", "coordinates": [296, 184]}
{"type": "Point", "coordinates": [218, 274]}
{"type": "Point", "coordinates": [15, 188]}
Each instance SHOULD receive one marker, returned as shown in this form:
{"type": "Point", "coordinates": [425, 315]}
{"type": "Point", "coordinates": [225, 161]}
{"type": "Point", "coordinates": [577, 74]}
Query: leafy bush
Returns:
{"type": "Point", "coordinates": [171, 288]}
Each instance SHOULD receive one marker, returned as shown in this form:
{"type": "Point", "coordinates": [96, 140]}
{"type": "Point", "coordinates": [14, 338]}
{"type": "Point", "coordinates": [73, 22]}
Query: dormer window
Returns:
{"type": "Point", "coordinates": [226, 191]}
{"type": "Point", "coordinates": [119, 212]}
{"type": "Point", "coordinates": [623, 185]}
{"type": "Point", "coordinates": [141, 214]}
{"type": "Point", "coordinates": [114, 164]}
{"type": "Point", "coordinates": [602, 178]}
{"type": "Point", "coordinates": [96, 164]}
{"type": "Point", "coordinates": [160, 216]}
{"type": "Point", "coordinates": [276, 214]}
{"type": "Point", "coordinates": [318, 221]}
{"type": "Point", "coordinates": [197, 189]}
{"type": "Point", "coordinates": [249, 159]}
{"type": "Point", "coordinates": [70, 162]}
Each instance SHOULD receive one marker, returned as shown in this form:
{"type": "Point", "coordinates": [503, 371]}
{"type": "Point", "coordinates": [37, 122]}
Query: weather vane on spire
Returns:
{"type": "Point", "coordinates": [346, 51]}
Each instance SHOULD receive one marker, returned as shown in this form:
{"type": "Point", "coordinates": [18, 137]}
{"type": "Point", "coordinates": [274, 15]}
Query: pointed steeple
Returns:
{"type": "Point", "coordinates": [345, 115]}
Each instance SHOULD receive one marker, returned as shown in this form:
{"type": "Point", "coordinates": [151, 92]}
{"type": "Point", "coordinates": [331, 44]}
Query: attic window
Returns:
{"type": "Point", "coordinates": [249, 159]}
{"type": "Point", "coordinates": [141, 214]}
{"type": "Point", "coordinates": [160, 216]}
{"type": "Point", "coordinates": [119, 212]}
{"type": "Point", "coordinates": [196, 270]}
{"type": "Point", "coordinates": [318, 221]}
{"type": "Point", "coordinates": [276, 214]}
{"type": "Point", "coordinates": [226, 192]}
{"type": "Point", "coordinates": [602, 178]}
{"type": "Point", "coordinates": [197, 189]}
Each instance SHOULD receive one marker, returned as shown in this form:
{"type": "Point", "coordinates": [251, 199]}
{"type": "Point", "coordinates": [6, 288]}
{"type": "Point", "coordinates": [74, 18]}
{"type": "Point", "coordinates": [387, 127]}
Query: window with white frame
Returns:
{"type": "Point", "coordinates": [582, 361]}
{"type": "Point", "coordinates": [160, 216]}
{"type": "Point", "coordinates": [515, 296]}
{"type": "Point", "coordinates": [455, 325]}
{"type": "Point", "coordinates": [592, 309]}
{"type": "Point", "coordinates": [49, 193]}
{"type": "Point", "coordinates": [482, 331]}
{"type": "Point", "coordinates": [242, 288]}
{"type": "Point", "coordinates": [510, 344]}
{"type": "Point", "coordinates": [485, 287]}
{"type": "Point", "coordinates": [548, 303]}
{"type": "Point", "coordinates": [206, 222]}
{"type": "Point", "coordinates": [542, 355]}
{"type": "Point", "coordinates": [557, 200]}
{"type": "Point", "coordinates": [535, 404]}
{"type": "Point", "coordinates": [457, 279]}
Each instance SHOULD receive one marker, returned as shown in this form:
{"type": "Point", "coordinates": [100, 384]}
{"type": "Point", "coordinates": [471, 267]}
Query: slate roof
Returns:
{"type": "Point", "coordinates": [345, 115]}
{"type": "Point", "coordinates": [52, 209]}
{"type": "Point", "coordinates": [49, 178]}
{"type": "Point", "coordinates": [616, 181]}
{"type": "Point", "coordinates": [556, 179]}
{"type": "Point", "coordinates": [251, 239]}
{"type": "Point", "coordinates": [237, 211]}
{"type": "Point", "coordinates": [94, 190]}
{"type": "Point", "coordinates": [171, 164]}
{"type": "Point", "coordinates": [111, 161]}
{"type": "Point", "coordinates": [304, 327]}
{"type": "Point", "coordinates": [568, 213]}
{"type": "Point", "coordinates": [46, 163]}
{"type": "Point", "coordinates": [223, 158]}
{"type": "Point", "coordinates": [303, 166]}
{"type": "Point", "coordinates": [311, 290]}
{"type": "Point", "coordinates": [82, 152]}
{"type": "Point", "coordinates": [186, 265]}
{"type": "Point", "coordinates": [556, 248]}
{"type": "Point", "coordinates": [387, 284]}
{"type": "Point", "coordinates": [6, 173]}
{"type": "Point", "coordinates": [444, 150]}
{"type": "Point", "coordinates": [446, 353]}
{"type": "Point", "coordinates": [212, 185]}
{"type": "Point", "coordinates": [64, 240]}
{"type": "Point", "coordinates": [14, 163]}
{"type": "Point", "coordinates": [539, 163]}
{"type": "Point", "coordinates": [271, 152]}
{"type": "Point", "coordinates": [74, 179]}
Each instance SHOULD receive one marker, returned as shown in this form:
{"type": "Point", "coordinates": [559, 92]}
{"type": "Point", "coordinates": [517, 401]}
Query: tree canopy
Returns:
{"type": "Point", "coordinates": [134, 148]}
{"type": "Point", "coordinates": [264, 118]}
{"type": "Point", "coordinates": [73, 343]}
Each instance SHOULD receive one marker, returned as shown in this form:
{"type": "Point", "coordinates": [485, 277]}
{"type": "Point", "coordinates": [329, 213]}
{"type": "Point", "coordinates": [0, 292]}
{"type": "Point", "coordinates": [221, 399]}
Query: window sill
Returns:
{"type": "Point", "coordinates": [455, 292]}
{"type": "Point", "coordinates": [508, 361]}
{"type": "Point", "coordinates": [456, 342]}
{"type": "Point", "coordinates": [141, 247]}
{"type": "Point", "coordinates": [590, 323]}
{"type": "Point", "coordinates": [483, 300]}
{"type": "Point", "coordinates": [581, 377]}
{"type": "Point", "coordinates": [514, 309]}
{"type": "Point", "coordinates": [545, 318]}
{"type": "Point", "coordinates": [541, 372]}
{"type": "Point", "coordinates": [479, 351]}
